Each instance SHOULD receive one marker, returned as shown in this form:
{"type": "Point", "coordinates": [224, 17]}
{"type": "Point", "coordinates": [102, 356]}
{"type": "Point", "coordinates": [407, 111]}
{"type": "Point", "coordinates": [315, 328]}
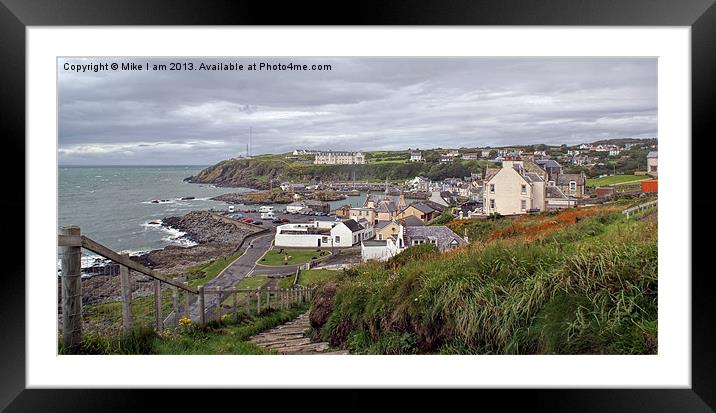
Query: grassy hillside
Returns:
{"type": "Point", "coordinates": [256, 173]}
{"type": "Point", "coordinates": [577, 282]}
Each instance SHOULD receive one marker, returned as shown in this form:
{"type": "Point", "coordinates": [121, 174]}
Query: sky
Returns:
{"type": "Point", "coordinates": [154, 117]}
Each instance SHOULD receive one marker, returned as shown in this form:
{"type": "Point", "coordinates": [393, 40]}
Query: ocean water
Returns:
{"type": "Point", "coordinates": [112, 205]}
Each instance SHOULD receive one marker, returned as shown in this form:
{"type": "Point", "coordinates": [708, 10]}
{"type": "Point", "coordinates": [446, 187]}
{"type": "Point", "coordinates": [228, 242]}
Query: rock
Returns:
{"type": "Point", "coordinates": [322, 305]}
{"type": "Point", "coordinates": [186, 198]}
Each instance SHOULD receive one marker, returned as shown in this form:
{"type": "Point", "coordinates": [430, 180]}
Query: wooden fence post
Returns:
{"type": "Point", "coordinates": [258, 301]}
{"type": "Point", "coordinates": [158, 304]}
{"type": "Point", "coordinates": [126, 299]}
{"type": "Point", "coordinates": [202, 320]}
{"type": "Point", "coordinates": [247, 298]}
{"type": "Point", "coordinates": [234, 303]}
{"type": "Point", "coordinates": [175, 304]}
{"type": "Point", "coordinates": [71, 280]}
{"type": "Point", "coordinates": [268, 298]}
{"type": "Point", "coordinates": [187, 297]}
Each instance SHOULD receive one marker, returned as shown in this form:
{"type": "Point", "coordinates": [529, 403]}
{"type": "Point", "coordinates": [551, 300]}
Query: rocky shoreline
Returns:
{"type": "Point", "coordinates": [277, 197]}
{"type": "Point", "coordinates": [215, 236]}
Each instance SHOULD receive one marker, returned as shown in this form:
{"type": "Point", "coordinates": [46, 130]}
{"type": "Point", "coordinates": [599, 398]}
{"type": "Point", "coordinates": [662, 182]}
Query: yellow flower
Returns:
{"type": "Point", "coordinates": [225, 317]}
{"type": "Point", "coordinates": [185, 321]}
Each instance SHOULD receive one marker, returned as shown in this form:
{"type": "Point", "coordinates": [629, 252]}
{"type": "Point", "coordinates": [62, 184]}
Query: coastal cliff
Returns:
{"type": "Point", "coordinates": [258, 173]}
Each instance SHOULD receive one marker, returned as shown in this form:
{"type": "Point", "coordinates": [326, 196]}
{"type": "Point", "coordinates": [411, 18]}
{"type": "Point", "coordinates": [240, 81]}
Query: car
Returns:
{"type": "Point", "coordinates": [248, 220]}
{"type": "Point", "coordinates": [258, 223]}
{"type": "Point", "coordinates": [284, 220]}
{"type": "Point", "coordinates": [277, 221]}
{"type": "Point", "coordinates": [246, 211]}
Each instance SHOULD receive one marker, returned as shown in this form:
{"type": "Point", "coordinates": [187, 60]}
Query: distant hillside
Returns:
{"type": "Point", "coordinates": [622, 142]}
{"type": "Point", "coordinates": [256, 173]}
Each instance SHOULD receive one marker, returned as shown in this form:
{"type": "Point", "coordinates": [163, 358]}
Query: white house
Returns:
{"type": "Point", "coordinates": [513, 190]}
{"type": "Point", "coordinates": [440, 236]}
{"type": "Point", "coordinates": [416, 156]}
{"type": "Point", "coordinates": [652, 163]}
{"type": "Point", "coordinates": [325, 234]}
{"type": "Point", "coordinates": [339, 158]}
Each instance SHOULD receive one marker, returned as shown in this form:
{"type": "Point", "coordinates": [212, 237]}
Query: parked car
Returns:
{"type": "Point", "coordinates": [248, 220]}
{"type": "Point", "coordinates": [277, 221]}
{"type": "Point", "coordinates": [246, 211]}
{"type": "Point", "coordinates": [285, 220]}
{"type": "Point", "coordinates": [258, 223]}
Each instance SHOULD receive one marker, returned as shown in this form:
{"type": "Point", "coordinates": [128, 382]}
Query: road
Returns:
{"type": "Point", "coordinates": [245, 265]}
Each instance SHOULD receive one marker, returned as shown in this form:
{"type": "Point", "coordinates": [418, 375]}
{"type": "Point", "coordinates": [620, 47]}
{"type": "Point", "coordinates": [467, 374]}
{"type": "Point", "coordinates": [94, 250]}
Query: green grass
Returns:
{"type": "Point", "coordinates": [277, 256]}
{"type": "Point", "coordinates": [314, 277]}
{"type": "Point", "coordinates": [590, 287]}
{"type": "Point", "coordinates": [615, 180]}
{"type": "Point", "coordinates": [202, 274]}
{"type": "Point", "coordinates": [226, 337]}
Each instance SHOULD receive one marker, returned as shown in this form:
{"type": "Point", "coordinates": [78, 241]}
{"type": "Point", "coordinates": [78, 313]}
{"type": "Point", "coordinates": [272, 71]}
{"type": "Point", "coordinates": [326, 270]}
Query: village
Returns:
{"type": "Point", "coordinates": [394, 216]}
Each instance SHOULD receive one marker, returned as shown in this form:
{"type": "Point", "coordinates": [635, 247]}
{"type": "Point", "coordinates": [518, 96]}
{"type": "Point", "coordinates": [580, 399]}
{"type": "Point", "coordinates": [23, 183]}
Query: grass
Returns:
{"type": "Point", "coordinates": [283, 256]}
{"type": "Point", "coordinates": [202, 274]}
{"type": "Point", "coordinates": [226, 337]}
{"type": "Point", "coordinates": [108, 316]}
{"type": "Point", "coordinates": [315, 277]}
{"type": "Point", "coordinates": [582, 281]}
{"type": "Point", "coordinates": [615, 180]}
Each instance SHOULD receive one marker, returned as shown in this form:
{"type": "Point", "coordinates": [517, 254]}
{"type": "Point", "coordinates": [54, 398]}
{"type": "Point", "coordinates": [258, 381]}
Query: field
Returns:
{"type": "Point", "coordinates": [582, 281]}
{"type": "Point", "coordinates": [615, 180]}
{"type": "Point", "coordinates": [284, 256]}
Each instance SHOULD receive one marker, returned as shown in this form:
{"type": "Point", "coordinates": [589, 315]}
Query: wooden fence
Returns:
{"type": "Point", "coordinates": [639, 208]}
{"type": "Point", "coordinates": [230, 300]}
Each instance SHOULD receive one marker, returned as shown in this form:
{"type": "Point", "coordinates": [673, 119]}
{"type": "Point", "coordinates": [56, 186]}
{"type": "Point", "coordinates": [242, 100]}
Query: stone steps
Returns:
{"type": "Point", "coordinates": [290, 338]}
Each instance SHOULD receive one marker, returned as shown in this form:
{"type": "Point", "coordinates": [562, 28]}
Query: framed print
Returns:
{"type": "Point", "coordinates": [463, 197]}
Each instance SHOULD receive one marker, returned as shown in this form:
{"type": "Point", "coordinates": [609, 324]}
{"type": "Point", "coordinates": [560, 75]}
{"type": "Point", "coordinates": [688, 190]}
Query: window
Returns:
{"type": "Point", "coordinates": [523, 204]}
{"type": "Point", "coordinates": [524, 189]}
{"type": "Point", "coordinates": [434, 242]}
{"type": "Point", "coordinates": [380, 236]}
{"type": "Point", "coordinates": [492, 203]}
{"type": "Point", "coordinates": [550, 183]}
{"type": "Point", "coordinates": [325, 240]}
{"type": "Point", "coordinates": [572, 186]}
{"type": "Point", "coordinates": [338, 239]}
{"type": "Point", "coordinates": [492, 188]}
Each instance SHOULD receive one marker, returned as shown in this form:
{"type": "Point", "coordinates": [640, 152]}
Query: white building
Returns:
{"type": "Point", "coordinates": [652, 163]}
{"type": "Point", "coordinates": [440, 236]}
{"type": "Point", "coordinates": [339, 158]}
{"type": "Point", "coordinates": [513, 190]}
{"type": "Point", "coordinates": [416, 156]}
{"type": "Point", "coordinates": [322, 234]}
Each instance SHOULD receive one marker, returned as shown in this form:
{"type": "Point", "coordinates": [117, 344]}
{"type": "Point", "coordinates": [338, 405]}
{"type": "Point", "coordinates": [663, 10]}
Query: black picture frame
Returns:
{"type": "Point", "coordinates": [16, 15]}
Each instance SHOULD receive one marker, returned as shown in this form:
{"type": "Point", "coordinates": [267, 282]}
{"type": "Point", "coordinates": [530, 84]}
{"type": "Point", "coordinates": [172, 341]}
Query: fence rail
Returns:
{"type": "Point", "coordinates": [235, 301]}
{"type": "Point", "coordinates": [638, 208]}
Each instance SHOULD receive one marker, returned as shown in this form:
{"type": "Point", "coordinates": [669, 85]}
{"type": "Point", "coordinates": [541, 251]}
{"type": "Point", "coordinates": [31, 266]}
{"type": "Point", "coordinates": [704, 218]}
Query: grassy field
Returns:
{"type": "Point", "coordinates": [615, 180]}
{"type": "Point", "coordinates": [582, 281]}
{"type": "Point", "coordinates": [283, 256]}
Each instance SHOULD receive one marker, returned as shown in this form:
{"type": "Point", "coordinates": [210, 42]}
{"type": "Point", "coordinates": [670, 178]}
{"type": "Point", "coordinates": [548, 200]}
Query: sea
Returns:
{"type": "Point", "coordinates": [114, 205]}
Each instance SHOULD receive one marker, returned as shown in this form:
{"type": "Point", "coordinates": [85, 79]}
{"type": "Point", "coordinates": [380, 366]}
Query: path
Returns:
{"type": "Point", "coordinates": [290, 338]}
{"type": "Point", "coordinates": [238, 270]}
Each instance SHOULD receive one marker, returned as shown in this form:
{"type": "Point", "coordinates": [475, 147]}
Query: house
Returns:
{"type": "Point", "coordinates": [358, 213]}
{"type": "Point", "coordinates": [411, 221]}
{"type": "Point", "coordinates": [420, 210]}
{"type": "Point", "coordinates": [340, 234]}
{"type": "Point", "coordinates": [343, 211]}
{"type": "Point", "coordinates": [555, 199]}
{"type": "Point", "coordinates": [317, 206]}
{"type": "Point", "coordinates": [419, 184]}
{"type": "Point", "coordinates": [441, 236]}
{"type": "Point", "coordinates": [470, 156]}
{"type": "Point", "coordinates": [381, 250]}
{"type": "Point", "coordinates": [513, 190]}
{"type": "Point", "coordinates": [552, 167]}
{"type": "Point", "coordinates": [339, 158]}
{"type": "Point", "coordinates": [416, 156]}
{"type": "Point", "coordinates": [652, 163]}
{"type": "Point", "coordinates": [386, 229]}
{"type": "Point", "coordinates": [446, 158]}
{"type": "Point", "coordinates": [572, 185]}
{"type": "Point", "coordinates": [485, 153]}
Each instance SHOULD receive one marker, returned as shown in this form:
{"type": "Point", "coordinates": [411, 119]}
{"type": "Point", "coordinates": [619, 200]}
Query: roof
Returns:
{"type": "Point", "coordinates": [386, 206]}
{"type": "Point", "coordinates": [434, 205]}
{"type": "Point", "coordinates": [490, 173]}
{"type": "Point", "coordinates": [422, 207]}
{"type": "Point", "coordinates": [353, 225]}
{"type": "Point", "coordinates": [382, 224]}
{"type": "Point", "coordinates": [412, 221]}
{"type": "Point", "coordinates": [374, 243]}
{"type": "Point", "coordinates": [652, 154]}
{"type": "Point", "coordinates": [555, 192]}
{"type": "Point", "coordinates": [564, 179]}
{"type": "Point", "coordinates": [443, 236]}
{"type": "Point", "coordinates": [548, 163]}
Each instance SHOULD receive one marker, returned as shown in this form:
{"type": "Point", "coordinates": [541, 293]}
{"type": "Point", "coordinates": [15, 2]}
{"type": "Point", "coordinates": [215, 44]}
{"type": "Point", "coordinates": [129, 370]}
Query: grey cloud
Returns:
{"type": "Point", "coordinates": [362, 104]}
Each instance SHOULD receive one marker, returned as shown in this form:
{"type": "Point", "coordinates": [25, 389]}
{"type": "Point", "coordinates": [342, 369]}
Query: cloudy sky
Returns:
{"type": "Point", "coordinates": [202, 117]}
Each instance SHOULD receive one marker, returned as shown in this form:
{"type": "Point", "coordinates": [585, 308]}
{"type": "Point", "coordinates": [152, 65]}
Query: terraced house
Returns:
{"type": "Point", "coordinates": [339, 158]}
